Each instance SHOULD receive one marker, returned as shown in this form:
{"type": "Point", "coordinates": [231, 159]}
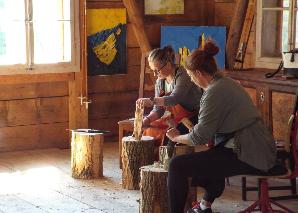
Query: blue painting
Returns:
{"type": "Point", "coordinates": [186, 38]}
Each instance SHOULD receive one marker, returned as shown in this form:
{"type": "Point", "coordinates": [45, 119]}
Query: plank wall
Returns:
{"type": "Point", "coordinates": [33, 115]}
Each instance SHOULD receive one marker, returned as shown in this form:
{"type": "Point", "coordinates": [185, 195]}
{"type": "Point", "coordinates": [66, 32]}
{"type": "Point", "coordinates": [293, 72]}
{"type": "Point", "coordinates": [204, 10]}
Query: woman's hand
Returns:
{"type": "Point", "coordinates": [172, 134]}
{"type": "Point", "coordinates": [146, 102]}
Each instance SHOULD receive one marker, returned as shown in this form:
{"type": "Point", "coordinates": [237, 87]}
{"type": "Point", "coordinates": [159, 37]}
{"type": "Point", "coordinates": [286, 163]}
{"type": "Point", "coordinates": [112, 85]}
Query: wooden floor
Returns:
{"type": "Point", "coordinates": [40, 181]}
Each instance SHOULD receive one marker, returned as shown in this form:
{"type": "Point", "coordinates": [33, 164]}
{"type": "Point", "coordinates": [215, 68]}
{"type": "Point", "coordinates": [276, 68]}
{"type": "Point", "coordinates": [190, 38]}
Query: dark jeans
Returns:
{"type": "Point", "coordinates": [207, 169]}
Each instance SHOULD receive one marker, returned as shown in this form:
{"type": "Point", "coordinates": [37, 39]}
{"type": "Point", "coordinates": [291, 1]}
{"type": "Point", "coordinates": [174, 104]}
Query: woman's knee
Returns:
{"type": "Point", "coordinates": [175, 164]}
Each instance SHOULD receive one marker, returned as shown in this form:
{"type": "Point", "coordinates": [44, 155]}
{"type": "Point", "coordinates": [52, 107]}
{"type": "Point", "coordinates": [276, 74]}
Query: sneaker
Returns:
{"type": "Point", "coordinates": [197, 209]}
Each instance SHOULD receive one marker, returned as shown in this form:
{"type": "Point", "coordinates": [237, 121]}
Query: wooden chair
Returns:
{"type": "Point", "coordinates": [264, 202]}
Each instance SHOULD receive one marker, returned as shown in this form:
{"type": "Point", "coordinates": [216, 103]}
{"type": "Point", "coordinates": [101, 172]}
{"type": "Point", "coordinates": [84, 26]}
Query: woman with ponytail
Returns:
{"type": "Point", "coordinates": [242, 144]}
{"type": "Point", "coordinates": [176, 96]}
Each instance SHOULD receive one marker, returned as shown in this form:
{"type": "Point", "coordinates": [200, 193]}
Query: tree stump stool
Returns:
{"type": "Point", "coordinates": [153, 184]}
{"type": "Point", "coordinates": [135, 154]}
{"type": "Point", "coordinates": [154, 192]}
{"type": "Point", "coordinates": [86, 154]}
{"type": "Point", "coordinates": [164, 157]}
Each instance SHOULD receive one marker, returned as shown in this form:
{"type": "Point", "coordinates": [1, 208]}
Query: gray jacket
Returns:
{"type": "Point", "coordinates": [226, 108]}
{"type": "Point", "coordinates": [185, 93]}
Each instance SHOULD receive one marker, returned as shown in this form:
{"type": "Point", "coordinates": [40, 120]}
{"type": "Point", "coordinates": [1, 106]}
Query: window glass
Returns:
{"type": "Point", "coordinates": [275, 3]}
{"type": "Point", "coordinates": [274, 33]}
{"type": "Point", "coordinates": [12, 32]}
{"type": "Point", "coordinates": [52, 45]}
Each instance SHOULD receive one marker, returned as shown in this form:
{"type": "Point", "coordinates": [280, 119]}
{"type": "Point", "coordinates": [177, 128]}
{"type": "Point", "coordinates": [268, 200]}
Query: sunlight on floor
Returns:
{"type": "Point", "coordinates": [29, 181]}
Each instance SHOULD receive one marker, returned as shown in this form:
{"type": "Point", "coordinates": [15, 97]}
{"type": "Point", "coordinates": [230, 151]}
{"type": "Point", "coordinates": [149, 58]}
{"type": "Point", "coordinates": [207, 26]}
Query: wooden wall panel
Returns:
{"type": "Point", "coordinates": [33, 111]}
{"type": "Point", "coordinates": [282, 106]}
{"type": "Point", "coordinates": [34, 137]}
{"type": "Point", "coordinates": [223, 13]}
{"type": "Point", "coordinates": [35, 90]}
{"type": "Point", "coordinates": [106, 106]}
{"type": "Point", "coordinates": [32, 114]}
{"type": "Point", "coordinates": [120, 83]}
{"type": "Point", "coordinates": [133, 56]}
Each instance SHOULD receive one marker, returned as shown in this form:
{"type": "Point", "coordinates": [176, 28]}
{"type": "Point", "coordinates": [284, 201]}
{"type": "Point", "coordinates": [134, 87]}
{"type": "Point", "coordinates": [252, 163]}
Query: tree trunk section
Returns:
{"type": "Point", "coordinates": [135, 154]}
{"type": "Point", "coordinates": [86, 155]}
{"type": "Point", "coordinates": [154, 192]}
{"type": "Point", "coordinates": [164, 157]}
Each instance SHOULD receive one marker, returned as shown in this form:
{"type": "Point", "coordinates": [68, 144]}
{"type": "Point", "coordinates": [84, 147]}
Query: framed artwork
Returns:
{"type": "Point", "coordinates": [186, 38]}
{"type": "Point", "coordinates": [159, 7]}
{"type": "Point", "coordinates": [106, 41]}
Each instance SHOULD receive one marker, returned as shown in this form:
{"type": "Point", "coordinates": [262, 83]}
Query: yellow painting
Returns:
{"type": "Point", "coordinates": [106, 31]}
{"type": "Point", "coordinates": [158, 7]}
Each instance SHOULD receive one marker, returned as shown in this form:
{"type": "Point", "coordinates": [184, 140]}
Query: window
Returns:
{"type": "Point", "coordinates": [276, 31]}
{"type": "Point", "coordinates": [39, 36]}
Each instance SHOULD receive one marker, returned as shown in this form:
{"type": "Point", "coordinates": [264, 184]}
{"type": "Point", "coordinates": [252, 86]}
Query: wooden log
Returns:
{"type": "Point", "coordinates": [164, 157]}
{"type": "Point", "coordinates": [154, 192]}
{"type": "Point", "coordinates": [137, 127]}
{"type": "Point", "coordinates": [86, 155]}
{"type": "Point", "coordinates": [135, 154]}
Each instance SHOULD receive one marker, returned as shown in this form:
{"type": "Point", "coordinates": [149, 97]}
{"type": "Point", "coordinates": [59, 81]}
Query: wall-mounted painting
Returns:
{"type": "Point", "coordinates": [159, 7]}
{"type": "Point", "coordinates": [186, 38]}
{"type": "Point", "coordinates": [106, 41]}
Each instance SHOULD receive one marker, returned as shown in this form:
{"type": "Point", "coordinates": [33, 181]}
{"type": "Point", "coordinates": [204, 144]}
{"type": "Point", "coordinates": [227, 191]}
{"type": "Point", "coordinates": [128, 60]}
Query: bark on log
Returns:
{"type": "Point", "coordinates": [135, 154]}
{"type": "Point", "coordinates": [154, 192]}
{"type": "Point", "coordinates": [86, 155]}
{"type": "Point", "coordinates": [178, 150]}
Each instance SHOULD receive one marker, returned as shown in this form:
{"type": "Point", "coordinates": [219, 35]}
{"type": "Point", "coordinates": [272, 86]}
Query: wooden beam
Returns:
{"type": "Point", "coordinates": [138, 24]}
{"type": "Point", "coordinates": [235, 32]}
{"type": "Point", "coordinates": [78, 112]}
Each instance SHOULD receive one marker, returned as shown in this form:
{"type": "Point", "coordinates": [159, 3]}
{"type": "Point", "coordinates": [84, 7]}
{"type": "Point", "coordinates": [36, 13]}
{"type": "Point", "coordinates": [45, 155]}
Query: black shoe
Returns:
{"type": "Point", "coordinates": [197, 209]}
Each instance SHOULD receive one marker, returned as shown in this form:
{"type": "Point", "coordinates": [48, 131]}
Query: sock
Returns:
{"type": "Point", "coordinates": [203, 205]}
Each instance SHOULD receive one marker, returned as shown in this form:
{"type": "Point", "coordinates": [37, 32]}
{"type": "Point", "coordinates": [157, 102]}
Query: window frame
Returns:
{"type": "Point", "coordinates": [273, 62]}
{"type": "Point", "coordinates": [61, 67]}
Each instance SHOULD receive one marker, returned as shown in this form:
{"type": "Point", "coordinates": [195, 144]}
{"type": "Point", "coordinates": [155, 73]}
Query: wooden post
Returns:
{"type": "Point", "coordinates": [235, 32]}
{"type": "Point", "coordinates": [154, 194]}
{"type": "Point", "coordinates": [135, 154]}
{"type": "Point", "coordinates": [87, 155]}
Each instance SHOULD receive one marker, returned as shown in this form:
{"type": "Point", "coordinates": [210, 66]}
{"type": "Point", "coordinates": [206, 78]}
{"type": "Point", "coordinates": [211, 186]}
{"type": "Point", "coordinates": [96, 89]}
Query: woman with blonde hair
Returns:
{"type": "Point", "coordinates": [176, 97]}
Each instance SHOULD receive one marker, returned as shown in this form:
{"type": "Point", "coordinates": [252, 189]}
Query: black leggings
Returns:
{"type": "Point", "coordinates": [207, 169]}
